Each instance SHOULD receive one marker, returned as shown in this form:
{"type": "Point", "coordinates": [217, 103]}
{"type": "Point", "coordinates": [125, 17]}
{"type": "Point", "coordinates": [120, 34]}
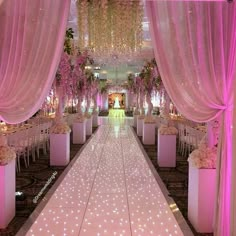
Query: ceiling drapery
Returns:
{"type": "Point", "coordinates": [110, 27]}
{"type": "Point", "coordinates": [31, 42]}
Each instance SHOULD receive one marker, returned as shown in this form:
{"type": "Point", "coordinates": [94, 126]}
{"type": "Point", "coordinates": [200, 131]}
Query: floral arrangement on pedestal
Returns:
{"type": "Point", "coordinates": [79, 78]}
{"type": "Point", "coordinates": [204, 157]}
{"type": "Point", "coordinates": [64, 83]}
{"type": "Point", "coordinates": [149, 120]}
{"type": "Point", "coordinates": [152, 83]}
{"type": "Point", "coordinates": [167, 130]}
{"type": "Point", "coordinates": [60, 127]}
{"type": "Point", "coordinates": [7, 154]}
{"type": "Point", "coordinates": [86, 85]}
{"type": "Point", "coordinates": [135, 86]}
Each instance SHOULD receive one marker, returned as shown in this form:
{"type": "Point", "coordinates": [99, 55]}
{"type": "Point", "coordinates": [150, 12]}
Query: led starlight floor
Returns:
{"type": "Point", "coordinates": [109, 190]}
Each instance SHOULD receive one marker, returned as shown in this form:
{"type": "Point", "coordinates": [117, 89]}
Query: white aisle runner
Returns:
{"type": "Point", "coordinates": [109, 190]}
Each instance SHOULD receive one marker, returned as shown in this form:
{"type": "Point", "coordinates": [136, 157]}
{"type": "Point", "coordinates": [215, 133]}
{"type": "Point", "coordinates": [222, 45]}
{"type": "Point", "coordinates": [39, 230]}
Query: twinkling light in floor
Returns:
{"type": "Point", "coordinates": [110, 190]}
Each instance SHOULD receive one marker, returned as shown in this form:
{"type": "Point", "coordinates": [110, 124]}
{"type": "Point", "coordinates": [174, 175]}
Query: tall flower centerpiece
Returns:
{"type": "Point", "coordinates": [79, 87]}
{"type": "Point", "coordinates": [103, 93]}
{"type": "Point", "coordinates": [141, 92]}
{"type": "Point", "coordinates": [79, 79]}
{"type": "Point", "coordinates": [133, 84]}
{"type": "Point", "coordinates": [64, 83]}
{"type": "Point", "coordinates": [60, 131]}
{"type": "Point", "coordinates": [84, 87]}
{"type": "Point", "coordinates": [90, 81]}
{"type": "Point", "coordinates": [133, 88]}
{"type": "Point", "coordinates": [63, 86]}
{"type": "Point", "coordinates": [152, 83]}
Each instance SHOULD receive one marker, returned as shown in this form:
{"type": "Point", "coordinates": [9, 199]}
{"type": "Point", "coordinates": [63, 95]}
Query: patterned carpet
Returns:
{"type": "Point", "coordinates": [31, 180]}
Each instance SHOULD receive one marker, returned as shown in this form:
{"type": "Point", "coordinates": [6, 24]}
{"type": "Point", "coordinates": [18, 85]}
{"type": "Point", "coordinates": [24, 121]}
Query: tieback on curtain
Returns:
{"type": "Point", "coordinates": [228, 107]}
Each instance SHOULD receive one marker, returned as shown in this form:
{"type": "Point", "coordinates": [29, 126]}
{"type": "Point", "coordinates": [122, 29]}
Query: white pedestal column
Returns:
{"type": "Point", "coordinates": [166, 151]}
{"type": "Point", "coordinates": [89, 126]}
{"type": "Point", "coordinates": [149, 133]}
{"type": "Point", "coordinates": [79, 132]}
{"type": "Point", "coordinates": [95, 120]}
{"type": "Point", "coordinates": [140, 126]}
{"type": "Point", "coordinates": [59, 149]}
{"type": "Point", "coordinates": [7, 193]}
{"type": "Point", "coordinates": [201, 198]}
{"type": "Point", "coordinates": [135, 120]}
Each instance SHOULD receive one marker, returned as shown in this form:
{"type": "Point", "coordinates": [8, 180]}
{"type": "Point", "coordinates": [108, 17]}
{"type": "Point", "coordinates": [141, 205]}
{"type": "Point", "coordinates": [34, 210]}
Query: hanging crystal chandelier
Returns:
{"type": "Point", "coordinates": [110, 27]}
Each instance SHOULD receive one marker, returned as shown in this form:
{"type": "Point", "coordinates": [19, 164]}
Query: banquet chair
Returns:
{"type": "Point", "coordinates": [193, 138]}
{"type": "Point", "coordinates": [32, 142]}
{"type": "Point", "coordinates": [19, 142]}
{"type": "Point", "coordinates": [42, 138]}
{"type": "Point", "coordinates": [182, 145]}
{"type": "Point", "coordinates": [47, 134]}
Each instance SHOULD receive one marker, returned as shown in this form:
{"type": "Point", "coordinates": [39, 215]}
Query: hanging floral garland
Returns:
{"type": "Point", "coordinates": [109, 27]}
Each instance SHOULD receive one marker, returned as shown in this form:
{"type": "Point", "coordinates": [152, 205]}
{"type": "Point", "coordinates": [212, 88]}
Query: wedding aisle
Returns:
{"type": "Point", "coordinates": [110, 189]}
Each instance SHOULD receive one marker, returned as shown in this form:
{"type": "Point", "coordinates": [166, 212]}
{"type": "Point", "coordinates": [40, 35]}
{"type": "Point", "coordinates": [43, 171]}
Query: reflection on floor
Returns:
{"type": "Point", "coordinates": [109, 190]}
{"type": "Point", "coordinates": [116, 113]}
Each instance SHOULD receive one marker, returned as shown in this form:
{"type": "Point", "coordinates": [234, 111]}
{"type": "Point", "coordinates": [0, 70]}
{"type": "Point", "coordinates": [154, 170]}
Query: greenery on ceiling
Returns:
{"type": "Point", "coordinates": [68, 48]}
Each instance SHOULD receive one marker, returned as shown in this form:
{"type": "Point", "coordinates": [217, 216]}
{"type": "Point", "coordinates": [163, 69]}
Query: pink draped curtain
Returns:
{"type": "Point", "coordinates": [31, 42]}
{"type": "Point", "coordinates": [195, 49]}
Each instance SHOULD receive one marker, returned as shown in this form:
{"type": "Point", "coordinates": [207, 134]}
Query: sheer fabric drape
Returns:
{"type": "Point", "coordinates": [31, 42]}
{"type": "Point", "coordinates": [195, 48]}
